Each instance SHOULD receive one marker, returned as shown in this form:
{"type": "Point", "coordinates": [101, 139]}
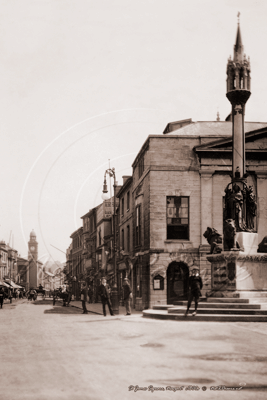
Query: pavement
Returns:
{"type": "Point", "coordinates": [55, 353]}
{"type": "Point", "coordinates": [94, 308]}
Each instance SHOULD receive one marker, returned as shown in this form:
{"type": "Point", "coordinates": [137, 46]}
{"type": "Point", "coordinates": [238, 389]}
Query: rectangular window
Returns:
{"type": "Point", "coordinates": [122, 239]}
{"type": "Point", "coordinates": [141, 167]}
{"type": "Point", "coordinates": [128, 201]}
{"type": "Point", "coordinates": [177, 217]}
{"type": "Point", "coordinates": [122, 206]}
{"type": "Point", "coordinates": [138, 225]}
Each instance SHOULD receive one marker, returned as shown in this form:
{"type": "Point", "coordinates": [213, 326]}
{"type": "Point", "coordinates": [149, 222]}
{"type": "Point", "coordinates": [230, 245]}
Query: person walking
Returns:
{"type": "Point", "coordinates": [104, 292]}
{"type": "Point", "coordinates": [90, 294]}
{"type": "Point", "coordinates": [84, 294]}
{"type": "Point", "coordinates": [127, 295]}
{"type": "Point", "coordinates": [54, 297]}
{"type": "Point", "coordinates": [195, 285]}
{"type": "Point", "coordinates": [2, 296]}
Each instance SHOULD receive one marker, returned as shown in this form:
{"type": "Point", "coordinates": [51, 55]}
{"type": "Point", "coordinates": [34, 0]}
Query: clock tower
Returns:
{"type": "Point", "coordinates": [33, 263]}
{"type": "Point", "coordinates": [32, 247]}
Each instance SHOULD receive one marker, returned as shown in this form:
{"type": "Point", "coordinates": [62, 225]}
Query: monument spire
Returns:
{"type": "Point", "coordinates": [238, 92]}
{"type": "Point", "coordinates": [240, 204]}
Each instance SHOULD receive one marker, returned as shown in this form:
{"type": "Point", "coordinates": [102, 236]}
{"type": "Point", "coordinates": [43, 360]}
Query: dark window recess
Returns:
{"type": "Point", "coordinates": [122, 206]}
{"type": "Point", "coordinates": [128, 238]}
{"type": "Point", "coordinates": [128, 201]}
{"type": "Point", "coordinates": [138, 225]}
{"type": "Point", "coordinates": [178, 217]}
{"type": "Point", "coordinates": [141, 167]}
{"type": "Point", "coordinates": [122, 239]}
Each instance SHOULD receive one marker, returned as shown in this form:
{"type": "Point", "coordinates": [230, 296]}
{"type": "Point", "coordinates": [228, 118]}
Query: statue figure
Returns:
{"type": "Point", "coordinates": [251, 208]}
{"type": "Point", "coordinates": [229, 232]}
{"type": "Point", "coordinates": [214, 238]}
{"type": "Point", "coordinates": [236, 201]}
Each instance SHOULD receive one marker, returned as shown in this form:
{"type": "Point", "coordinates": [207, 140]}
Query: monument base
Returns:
{"type": "Point", "coordinates": [237, 271]}
{"type": "Point", "coordinates": [248, 241]}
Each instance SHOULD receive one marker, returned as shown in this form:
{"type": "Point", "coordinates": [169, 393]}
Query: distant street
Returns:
{"type": "Point", "coordinates": [57, 353]}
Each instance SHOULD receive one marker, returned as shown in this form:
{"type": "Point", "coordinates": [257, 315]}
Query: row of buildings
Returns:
{"type": "Point", "coordinates": [176, 191]}
{"type": "Point", "coordinates": [28, 272]}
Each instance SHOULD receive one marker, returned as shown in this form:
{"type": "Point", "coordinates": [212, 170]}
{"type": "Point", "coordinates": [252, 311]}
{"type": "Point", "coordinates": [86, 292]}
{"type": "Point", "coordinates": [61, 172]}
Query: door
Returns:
{"type": "Point", "coordinates": [177, 282]}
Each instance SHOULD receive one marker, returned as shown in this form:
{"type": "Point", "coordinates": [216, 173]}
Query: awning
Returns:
{"type": "Point", "coordinates": [4, 284]}
{"type": "Point", "coordinates": [13, 284]}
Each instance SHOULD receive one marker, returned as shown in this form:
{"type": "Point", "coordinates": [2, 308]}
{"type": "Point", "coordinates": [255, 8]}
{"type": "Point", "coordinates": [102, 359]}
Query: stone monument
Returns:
{"type": "Point", "coordinates": [239, 267]}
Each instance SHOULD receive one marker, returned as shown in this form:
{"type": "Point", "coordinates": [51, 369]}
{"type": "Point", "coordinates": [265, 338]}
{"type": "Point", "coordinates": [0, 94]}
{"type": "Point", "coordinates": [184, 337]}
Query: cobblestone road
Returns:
{"type": "Point", "coordinates": [57, 353]}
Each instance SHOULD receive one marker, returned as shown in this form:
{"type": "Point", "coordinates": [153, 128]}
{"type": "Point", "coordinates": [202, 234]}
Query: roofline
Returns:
{"type": "Point", "coordinates": [71, 236]}
{"type": "Point", "coordinates": [90, 211]}
{"type": "Point", "coordinates": [126, 184]}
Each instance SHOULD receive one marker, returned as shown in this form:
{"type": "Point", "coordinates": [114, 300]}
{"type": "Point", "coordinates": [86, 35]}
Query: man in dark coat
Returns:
{"type": "Point", "coordinates": [104, 293]}
{"type": "Point", "coordinates": [127, 295]}
{"type": "Point", "coordinates": [195, 285]}
{"type": "Point", "coordinates": [2, 296]}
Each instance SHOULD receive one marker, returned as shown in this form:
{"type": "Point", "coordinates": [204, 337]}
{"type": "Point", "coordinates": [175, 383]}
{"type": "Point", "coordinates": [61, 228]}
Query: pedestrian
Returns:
{"type": "Point", "coordinates": [90, 294]}
{"type": "Point", "coordinates": [127, 295]}
{"type": "Point", "coordinates": [2, 296]}
{"type": "Point", "coordinates": [104, 292]}
{"type": "Point", "coordinates": [54, 296]}
{"type": "Point", "coordinates": [84, 294]}
{"type": "Point", "coordinates": [195, 285]}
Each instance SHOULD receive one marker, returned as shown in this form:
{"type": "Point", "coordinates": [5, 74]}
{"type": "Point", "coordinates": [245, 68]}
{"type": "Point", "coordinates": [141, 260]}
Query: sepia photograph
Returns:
{"type": "Point", "coordinates": [133, 228]}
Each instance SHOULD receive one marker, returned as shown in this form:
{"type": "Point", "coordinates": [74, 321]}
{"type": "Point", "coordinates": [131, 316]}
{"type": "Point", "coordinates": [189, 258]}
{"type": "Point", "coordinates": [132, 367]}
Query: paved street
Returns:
{"type": "Point", "coordinates": [57, 353]}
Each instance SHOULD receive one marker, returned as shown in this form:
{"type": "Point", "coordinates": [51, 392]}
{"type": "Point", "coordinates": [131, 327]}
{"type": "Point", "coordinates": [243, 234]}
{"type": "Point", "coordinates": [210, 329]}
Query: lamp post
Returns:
{"type": "Point", "coordinates": [114, 292]}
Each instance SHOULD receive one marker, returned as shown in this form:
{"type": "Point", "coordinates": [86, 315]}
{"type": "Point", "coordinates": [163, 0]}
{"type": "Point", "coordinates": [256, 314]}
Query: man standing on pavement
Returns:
{"type": "Point", "coordinates": [2, 295]}
{"type": "Point", "coordinates": [127, 296]}
{"type": "Point", "coordinates": [104, 292]}
{"type": "Point", "coordinates": [195, 285]}
{"type": "Point", "coordinates": [84, 294]}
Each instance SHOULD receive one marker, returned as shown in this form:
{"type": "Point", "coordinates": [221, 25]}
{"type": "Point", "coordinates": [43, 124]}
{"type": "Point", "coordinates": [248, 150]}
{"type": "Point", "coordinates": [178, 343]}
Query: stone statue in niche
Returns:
{"type": "Point", "coordinates": [214, 238]}
{"type": "Point", "coordinates": [229, 233]}
{"type": "Point", "coordinates": [234, 206]}
{"type": "Point", "coordinates": [251, 208]}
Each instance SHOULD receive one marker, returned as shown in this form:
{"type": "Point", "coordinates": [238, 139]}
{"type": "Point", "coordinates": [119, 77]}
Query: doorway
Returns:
{"type": "Point", "coordinates": [177, 282]}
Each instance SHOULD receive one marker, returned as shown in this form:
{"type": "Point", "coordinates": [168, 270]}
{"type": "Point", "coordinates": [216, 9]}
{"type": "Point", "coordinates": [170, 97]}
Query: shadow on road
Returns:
{"type": "Point", "coordinates": [62, 310]}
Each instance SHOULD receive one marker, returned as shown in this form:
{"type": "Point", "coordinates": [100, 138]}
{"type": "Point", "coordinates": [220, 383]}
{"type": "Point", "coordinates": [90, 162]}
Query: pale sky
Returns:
{"type": "Point", "coordinates": [84, 81]}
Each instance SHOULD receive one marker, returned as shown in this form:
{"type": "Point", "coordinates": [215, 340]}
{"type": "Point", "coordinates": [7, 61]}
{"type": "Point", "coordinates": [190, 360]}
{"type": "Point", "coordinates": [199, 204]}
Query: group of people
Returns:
{"type": "Point", "coordinates": [104, 292]}
{"type": "Point", "coordinates": [16, 294]}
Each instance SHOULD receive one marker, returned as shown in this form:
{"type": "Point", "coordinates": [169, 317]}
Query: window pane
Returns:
{"type": "Point", "coordinates": [184, 201]}
{"type": "Point", "coordinates": [183, 212]}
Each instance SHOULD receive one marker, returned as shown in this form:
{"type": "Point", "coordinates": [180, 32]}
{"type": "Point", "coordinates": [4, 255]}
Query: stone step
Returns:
{"type": "Point", "coordinates": [226, 300]}
{"type": "Point", "coordinates": [162, 306]}
{"type": "Point", "coordinates": [218, 305]}
{"type": "Point", "coordinates": [204, 317]}
{"type": "Point", "coordinates": [251, 294]}
{"type": "Point", "coordinates": [201, 299]}
{"type": "Point", "coordinates": [258, 300]}
{"type": "Point", "coordinates": [219, 311]}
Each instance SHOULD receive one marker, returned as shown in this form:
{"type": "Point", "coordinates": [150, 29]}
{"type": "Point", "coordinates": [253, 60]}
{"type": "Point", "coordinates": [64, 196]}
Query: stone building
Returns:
{"type": "Point", "coordinates": [125, 234]}
{"type": "Point", "coordinates": [178, 187]}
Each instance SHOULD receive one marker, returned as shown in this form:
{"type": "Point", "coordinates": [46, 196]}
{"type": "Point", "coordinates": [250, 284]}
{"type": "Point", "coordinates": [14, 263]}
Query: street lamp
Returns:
{"type": "Point", "coordinates": [114, 292]}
